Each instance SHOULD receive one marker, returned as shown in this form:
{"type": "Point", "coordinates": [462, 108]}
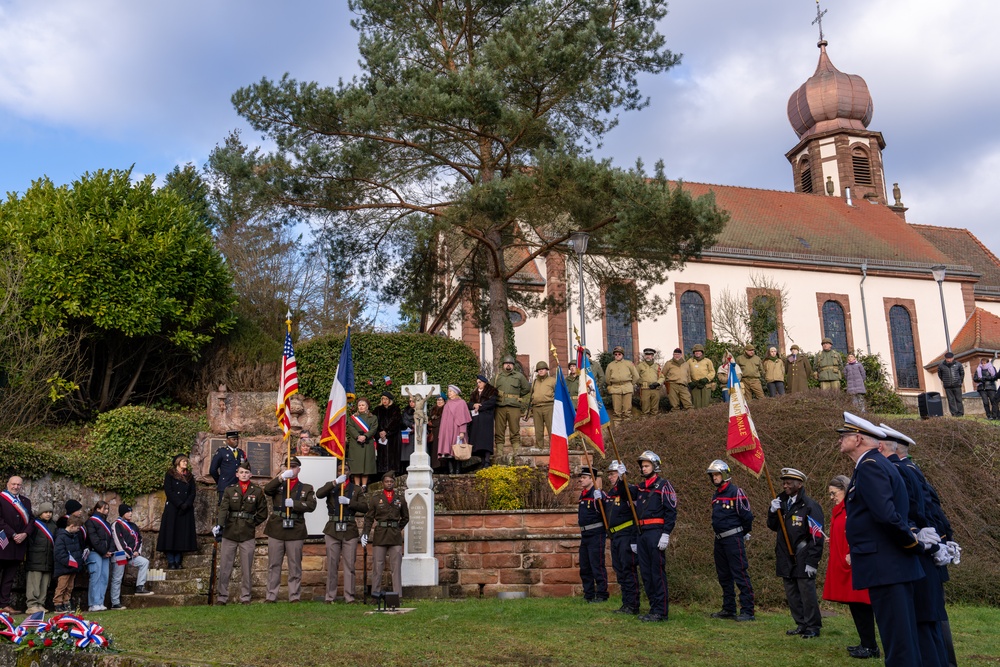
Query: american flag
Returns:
{"type": "Point", "coordinates": [33, 621]}
{"type": "Point", "coordinates": [3, 540]}
{"type": "Point", "coordinates": [815, 529]}
{"type": "Point", "coordinates": [288, 385]}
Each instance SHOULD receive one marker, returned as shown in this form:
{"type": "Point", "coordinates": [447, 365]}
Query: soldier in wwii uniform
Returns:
{"type": "Point", "coordinates": [649, 383]}
{"type": "Point", "coordinates": [829, 367]}
{"type": "Point", "coordinates": [622, 378]}
{"type": "Point", "coordinates": [543, 394]}
{"type": "Point", "coordinates": [702, 372]}
{"type": "Point", "coordinates": [512, 388]}
{"type": "Point", "coordinates": [752, 370]}
{"type": "Point", "coordinates": [286, 529]}
{"type": "Point", "coordinates": [344, 501]}
{"type": "Point", "coordinates": [242, 508]}
{"type": "Point", "coordinates": [388, 514]}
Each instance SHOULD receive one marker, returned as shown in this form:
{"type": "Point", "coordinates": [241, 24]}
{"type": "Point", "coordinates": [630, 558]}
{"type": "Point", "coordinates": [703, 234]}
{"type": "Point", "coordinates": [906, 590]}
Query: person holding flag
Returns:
{"type": "Point", "coordinates": [361, 455]}
{"type": "Point", "coordinates": [286, 529]}
{"type": "Point", "coordinates": [344, 502]}
{"type": "Point", "coordinates": [803, 519]}
{"type": "Point", "coordinates": [656, 507]}
{"type": "Point", "coordinates": [624, 536]}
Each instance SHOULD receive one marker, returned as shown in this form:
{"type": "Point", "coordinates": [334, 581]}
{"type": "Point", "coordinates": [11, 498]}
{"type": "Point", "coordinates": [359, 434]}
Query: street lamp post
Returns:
{"type": "Point", "coordinates": [939, 272]}
{"type": "Point", "coordinates": [579, 241]}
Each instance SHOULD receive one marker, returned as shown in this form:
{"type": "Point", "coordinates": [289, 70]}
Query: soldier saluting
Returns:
{"type": "Point", "coordinates": [242, 508]}
{"type": "Point", "coordinates": [343, 503]}
{"type": "Point", "coordinates": [286, 529]}
{"type": "Point", "coordinates": [225, 462]}
{"type": "Point", "coordinates": [388, 514]}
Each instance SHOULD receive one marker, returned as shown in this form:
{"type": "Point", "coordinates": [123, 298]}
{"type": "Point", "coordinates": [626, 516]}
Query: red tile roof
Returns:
{"type": "Point", "coordinates": [808, 224]}
{"type": "Point", "coordinates": [979, 334]}
{"type": "Point", "coordinates": [963, 247]}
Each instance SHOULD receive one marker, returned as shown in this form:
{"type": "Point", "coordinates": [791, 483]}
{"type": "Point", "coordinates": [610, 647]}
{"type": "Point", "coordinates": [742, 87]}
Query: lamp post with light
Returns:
{"type": "Point", "coordinates": [579, 242]}
{"type": "Point", "coordinates": [939, 272]}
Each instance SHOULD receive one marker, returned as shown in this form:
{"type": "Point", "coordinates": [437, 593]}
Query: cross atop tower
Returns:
{"type": "Point", "coordinates": [819, 20]}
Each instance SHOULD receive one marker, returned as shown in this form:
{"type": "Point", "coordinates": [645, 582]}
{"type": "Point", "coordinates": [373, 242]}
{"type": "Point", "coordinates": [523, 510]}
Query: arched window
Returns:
{"type": "Point", "coordinates": [862, 166]}
{"type": "Point", "coordinates": [618, 318]}
{"type": "Point", "coordinates": [805, 176]}
{"type": "Point", "coordinates": [835, 325]}
{"type": "Point", "coordinates": [903, 351]}
{"type": "Point", "coordinates": [765, 314]}
{"type": "Point", "coordinates": [694, 328]}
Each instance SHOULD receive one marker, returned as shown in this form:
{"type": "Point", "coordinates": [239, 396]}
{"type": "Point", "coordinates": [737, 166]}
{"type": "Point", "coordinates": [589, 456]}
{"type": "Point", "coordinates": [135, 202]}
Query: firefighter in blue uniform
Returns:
{"type": "Point", "coordinates": [225, 462]}
{"type": "Point", "coordinates": [656, 507]}
{"type": "Point", "coordinates": [732, 520]}
{"type": "Point", "coordinates": [884, 552]}
{"type": "Point", "coordinates": [593, 536]}
{"type": "Point", "coordinates": [623, 537]}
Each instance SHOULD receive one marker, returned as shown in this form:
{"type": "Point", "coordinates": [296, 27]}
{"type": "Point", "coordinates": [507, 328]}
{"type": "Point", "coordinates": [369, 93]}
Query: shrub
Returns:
{"type": "Point", "coordinates": [505, 487]}
{"type": "Point", "coordinates": [377, 355]}
{"type": "Point", "coordinates": [880, 396]}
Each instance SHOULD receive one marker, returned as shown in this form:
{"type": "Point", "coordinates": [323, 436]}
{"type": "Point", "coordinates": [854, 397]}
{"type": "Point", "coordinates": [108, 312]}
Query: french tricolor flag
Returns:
{"type": "Point", "coordinates": [563, 420]}
{"type": "Point", "coordinates": [334, 436]}
{"type": "Point", "coordinates": [590, 413]}
{"type": "Point", "coordinates": [72, 561]}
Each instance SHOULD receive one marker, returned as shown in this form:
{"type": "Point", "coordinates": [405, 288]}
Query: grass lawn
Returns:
{"type": "Point", "coordinates": [544, 631]}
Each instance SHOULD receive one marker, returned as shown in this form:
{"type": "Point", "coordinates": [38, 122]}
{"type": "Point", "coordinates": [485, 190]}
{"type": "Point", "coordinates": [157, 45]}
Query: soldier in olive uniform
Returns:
{"type": "Point", "coordinates": [829, 367]}
{"type": "Point", "coordinates": [752, 371]}
{"type": "Point", "coordinates": [343, 503]}
{"type": "Point", "coordinates": [678, 374]}
{"type": "Point", "coordinates": [573, 380]}
{"type": "Point", "coordinates": [702, 372]}
{"type": "Point", "coordinates": [243, 507]}
{"type": "Point", "coordinates": [543, 394]}
{"type": "Point", "coordinates": [225, 462]}
{"type": "Point", "coordinates": [622, 378]}
{"type": "Point", "coordinates": [287, 493]}
{"type": "Point", "coordinates": [798, 370]}
{"type": "Point", "coordinates": [649, 383]}
{"type": "Point", "coordinates": [513, 389]}
{"type": "Point", "coordinates": [388, 515]}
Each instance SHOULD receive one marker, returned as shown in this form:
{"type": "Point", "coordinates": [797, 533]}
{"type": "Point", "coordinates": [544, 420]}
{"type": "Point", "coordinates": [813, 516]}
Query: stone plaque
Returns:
{"type": "Point", "coordinates": [259, 453]}
{"type": "Point", "coordinates": [417, 527]}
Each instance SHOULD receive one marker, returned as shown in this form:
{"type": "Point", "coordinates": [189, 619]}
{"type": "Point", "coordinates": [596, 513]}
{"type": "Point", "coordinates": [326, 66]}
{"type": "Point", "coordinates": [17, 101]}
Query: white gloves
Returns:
{"type": "Point", "coordinates": [928, 537]}
{"type": "Point", "coordinates": [810, 571]}
{"type": "Point", "coordinates": [343, 500]}
{"type": "Point", "coordinates": [216, 531]}
{"type": "Point", "coordinates": [288, 474]}
{"type": "Point", "coordinates": [776, 505]}
{"type": "Point", "coordinates": [621, 468]}
{"type": "Point", "coordinates": [664, 541]}
{"type": "Point", "coordinates": [943, 556]}
{"type": "Point", "coordinates": [956, 552]}
{"type": "Point", "coordinates": [364, 541]}
{"type": "Point", "coordinates": [289, 502]}
{"type": "Point", "coordinates": [340, 480]}
{"type": "Point", "coordinates": [746, 538]}
{"type": "Point", "coordinates": [597, 494]}
{"type": "Point", "coordinates": [634, 547]}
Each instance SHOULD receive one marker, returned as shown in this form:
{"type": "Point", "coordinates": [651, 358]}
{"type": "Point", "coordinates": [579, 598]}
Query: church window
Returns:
{"type": "Point", "coordinates": [835, 325]}
{"type": "Point", "coordinates": [694, 326]}
{"type": "Point", "coordinates": [862, 167]}
{"type": "Point", "coordinates": [764, 319]}
{"type": "Point", "coordinates": [805, 176]}
{"type": "Point", "coordinates": [903, 349]}
{"type": "Point", "coordinates": [618, 318]}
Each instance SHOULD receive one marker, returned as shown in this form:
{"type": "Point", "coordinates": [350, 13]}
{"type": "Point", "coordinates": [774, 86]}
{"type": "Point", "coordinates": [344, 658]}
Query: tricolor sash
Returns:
{"type": "Point", "coordinates": [104, 524]}
{"type": "Point", "coordinates": [45, 531]}
{"type": "Point", "coordinates": [360, 423]}
{"type": "Point", "coordinates": [16, 504]}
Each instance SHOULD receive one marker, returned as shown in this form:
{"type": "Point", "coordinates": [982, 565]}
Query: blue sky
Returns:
{"type": "Point", "coordinates": [101, 84]}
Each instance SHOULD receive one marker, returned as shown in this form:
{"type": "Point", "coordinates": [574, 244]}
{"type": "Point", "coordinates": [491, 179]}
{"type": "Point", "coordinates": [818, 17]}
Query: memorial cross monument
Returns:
{"type": "Point", "coordinates": [420, 567]}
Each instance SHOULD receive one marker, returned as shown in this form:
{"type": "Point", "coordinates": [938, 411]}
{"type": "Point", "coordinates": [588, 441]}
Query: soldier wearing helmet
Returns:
{"type": "Point", "coordinates": [656, 508]}
{"type": "Point", "coordinates": [543, 394]}
{"type": "Point", "coordinates": [621, 525]}
{"type": "Point", "coordinates": [829, 367]}
{"type": "Point", "coordinates": [622, 377]}
{"type": "Point", "coordinates": [732, 520]}
{"type": "Point", "coordinates": [512, 389]}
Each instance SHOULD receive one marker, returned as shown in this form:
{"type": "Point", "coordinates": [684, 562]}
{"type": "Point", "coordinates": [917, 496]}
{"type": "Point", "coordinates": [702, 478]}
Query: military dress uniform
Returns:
{"type": "Point", "coordinates": [800, 586]}
{"type": "Point", "coordinates": [829, 368]}
{"type": "Point", "coordinates": [678, 374]}
{"type": "Point", "coordinates": [341, 534]}
{"type": "Point", "coordinates": [543, 395]}
{"type": "Point", "coordinates": [512, 389]}
{"type": "Point", "coordinates": [649, 384]}
{"type": "Point", "coordinates": [656, 507]}
{"type": "Point", "coordinates": [752, 370]}
{"type": "Point", "coordinates": [798, 370]}
{"type": "Point", "coordinates": [388, 514]}
{"type": "Point", "coordinates": [593, 538]}
{"type": "Point", "coordinates": [224, 464]}
{"type": "Point", "coordinates": [282, 542]}
{"type": "Point", "coordinates": [624, 535]}
{"type": "Point", "coordinates": [732, 521]}
{"type": "Point", "coordinates": [884, 551]}
{"type": "Point", "coordinates": [702, 373]}
{"type": "Point", "coordinates": [241, 510]}
{"type": "Point", "coordinates": [622, 377]}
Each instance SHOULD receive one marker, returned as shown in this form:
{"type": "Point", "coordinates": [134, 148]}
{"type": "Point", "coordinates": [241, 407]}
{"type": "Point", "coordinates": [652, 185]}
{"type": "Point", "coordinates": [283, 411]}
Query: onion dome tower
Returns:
{"type": "Point", "coordinates": [830, 113]}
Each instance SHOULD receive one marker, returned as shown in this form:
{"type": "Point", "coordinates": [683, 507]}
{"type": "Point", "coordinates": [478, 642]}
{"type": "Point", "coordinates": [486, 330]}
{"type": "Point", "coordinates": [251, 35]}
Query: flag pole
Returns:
{"type": "Point", "coordinates": [344, 483]}
{"type": "Point", "coordinates": [288, 441]}
{"type": "Point", "coordinates": [628, 494]}
{"type": "Point", "coordinates": [784, 528]}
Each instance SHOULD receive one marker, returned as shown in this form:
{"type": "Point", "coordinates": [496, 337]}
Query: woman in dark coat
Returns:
{"type": "Point", "coordinates": [390, 423]}
{"type": "Point", "coordinates": [434, 429]}
{"type": "Point", "coordinates": [482, 403]}
{"type": "Point", "coordinates": [177, 531]}
{"type": "Point", "coordinates": [409, 424]}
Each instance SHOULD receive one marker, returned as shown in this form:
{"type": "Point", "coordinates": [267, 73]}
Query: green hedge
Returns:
{"type": "Point", "coordinates": [377, 355]}
{"type": "Point", "coordinates": [128, 451]}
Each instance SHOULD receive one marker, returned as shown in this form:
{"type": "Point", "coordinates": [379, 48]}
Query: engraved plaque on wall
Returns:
{"type": "Point", "coordinates": [416, 539]}
{"type": "Point", "coordinates": [259, 454]}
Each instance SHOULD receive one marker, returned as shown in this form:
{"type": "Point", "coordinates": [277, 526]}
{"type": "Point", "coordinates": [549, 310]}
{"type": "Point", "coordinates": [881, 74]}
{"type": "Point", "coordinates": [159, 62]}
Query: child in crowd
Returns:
{"type": "Point", "coordinates": [68, 558]}
{"type": "Point", "coordinates": [38, 564]}
{"type": "Point", "coordinates": [128, 543]}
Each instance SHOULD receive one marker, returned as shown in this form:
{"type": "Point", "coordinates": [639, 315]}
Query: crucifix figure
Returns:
{"type": "Point", "coordinates": [419, 409]}
{"type": "Point", "coordinates": [819, 20]}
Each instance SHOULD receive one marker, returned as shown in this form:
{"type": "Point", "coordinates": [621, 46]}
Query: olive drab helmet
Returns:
{"type": "Point", "coordinates": [652, 458]}
{"type": "Point", "coordinates": [721, 467]}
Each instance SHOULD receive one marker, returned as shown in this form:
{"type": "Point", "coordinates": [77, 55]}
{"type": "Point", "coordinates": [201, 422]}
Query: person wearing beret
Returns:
{"type": "Point", "coordinates": [622, 377]}
{"type": "Point", "coordinates": [38, 563]}
{"type": "Point", "coordinates": [225, 462]}
{"type": "Point", "coordinates": [829, 367]}
{"type": "Point", "coordinates": [128, 541]}
{"type": "Point", "coordinates": [884, 551]}
{"type": "Point", "coordinates": [387, 515]}
{"type": "Point", "coordinates": [286, 529]}
{"type": "Point", "coordinates": [677, 373]}
{"type": "Point", "coordinates": [344, 502]}
{"type": "Point", "coordinates": [242, 508]}
{"type": "Point", "coordinates": [803, 519]}
{"type": "Point", "coordinates": [751, 371]}
{"type": "Point", "coordinates": [593, 538]}
{"type": "Point", "coordinates": [649, 383]}
{"type": "Point", "coordinates": [387, 434]}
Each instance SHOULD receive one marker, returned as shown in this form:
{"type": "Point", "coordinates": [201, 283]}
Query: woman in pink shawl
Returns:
{"type": "Point", "coordinates": [455, 420]}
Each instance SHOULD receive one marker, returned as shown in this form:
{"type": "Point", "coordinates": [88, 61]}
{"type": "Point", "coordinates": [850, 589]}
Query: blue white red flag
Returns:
{"type": "Point", "coordinates": [591, 415]}
{"type": "Point", "coordinates": [3, 540]}
{"type": "Point", "coordinates": [72, 562]}
{"type": "Point", "coordinates": [334, 436]}
{"type": "Point", "coordinates": [563, 425]}
{"type": "Point", "coordinates": [288, 384]}
{"type": "Point", "coordinates": [742, 443]}
{"type": "Point", "coordinates": [816, 529]}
